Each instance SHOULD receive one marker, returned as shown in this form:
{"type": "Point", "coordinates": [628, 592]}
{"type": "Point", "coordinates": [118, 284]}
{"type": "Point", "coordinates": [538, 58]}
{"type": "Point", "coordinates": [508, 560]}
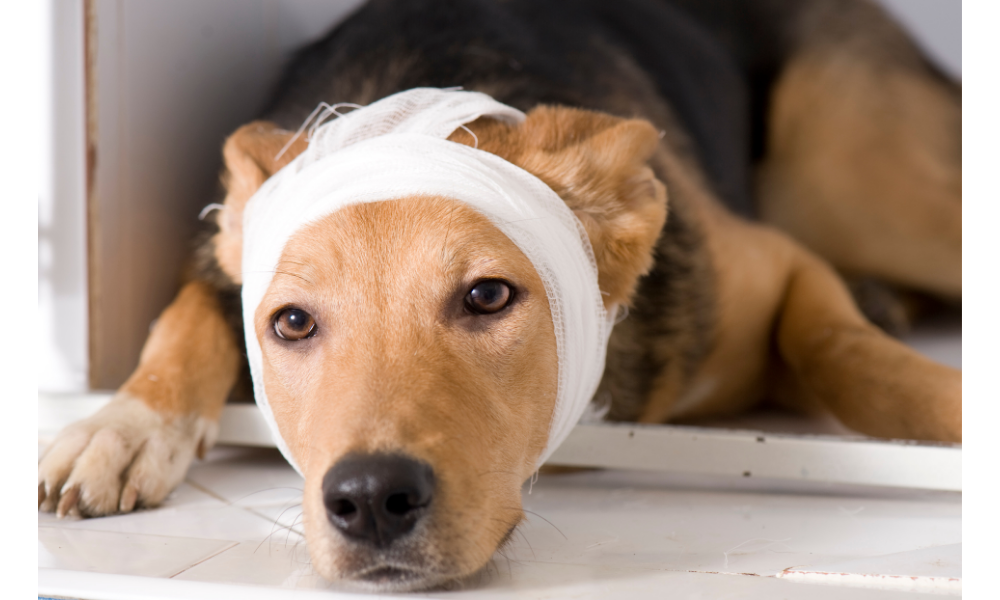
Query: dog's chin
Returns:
{"type": "Point", "coordinates": [388, 578]}
{"type": "Point", "coordinates": [408, 567]}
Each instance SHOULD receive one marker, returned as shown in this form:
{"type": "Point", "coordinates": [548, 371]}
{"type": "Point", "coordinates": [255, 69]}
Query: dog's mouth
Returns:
{"type": "Point", "coordinates": [388, 575]}
{"type": "Point", "coordinates": [394, 578]}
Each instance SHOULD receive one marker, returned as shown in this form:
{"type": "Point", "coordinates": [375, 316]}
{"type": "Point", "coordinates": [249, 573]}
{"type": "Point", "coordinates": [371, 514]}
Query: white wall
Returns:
{"type": "Point", "coordinates": [937, 25]}
{"type": "Point", "coordinates": [62, 273]}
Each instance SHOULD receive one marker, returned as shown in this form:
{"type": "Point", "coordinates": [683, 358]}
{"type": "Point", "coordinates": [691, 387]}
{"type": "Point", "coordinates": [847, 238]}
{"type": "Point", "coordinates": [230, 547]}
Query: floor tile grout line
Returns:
{"type": "Point", "coordinates": [231, 545]}
{"type": "Point", "coordinates": [251, 510]}
{"type": "Point", "coordinates": [205, 490]}
{"type": "Point", "coordinates": [132, 533]}
{"type": "Point", "coordinates": [248, 509]}
{"type": "Point", "coordinates": [236, 502]}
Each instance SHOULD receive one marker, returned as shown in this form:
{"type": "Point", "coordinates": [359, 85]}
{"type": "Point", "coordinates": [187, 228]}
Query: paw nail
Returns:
{"type": "Point", "coordinates": [129, 496]}
{"type": "Point", "coordinates": [68, 501]}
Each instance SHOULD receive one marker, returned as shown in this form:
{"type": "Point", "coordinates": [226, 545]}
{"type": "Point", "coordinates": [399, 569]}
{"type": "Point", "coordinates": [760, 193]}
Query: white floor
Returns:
{"type": "Point", "coordinates": [590, 534]}
{"type": "Point", "coordinates": [595, 534]}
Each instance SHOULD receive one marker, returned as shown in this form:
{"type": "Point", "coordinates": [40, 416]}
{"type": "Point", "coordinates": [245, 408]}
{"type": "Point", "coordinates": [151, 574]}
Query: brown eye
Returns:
{"type": "Point", "coordinates": [488, 297]}
{"type": "Point", "coordinates": [294, 324]}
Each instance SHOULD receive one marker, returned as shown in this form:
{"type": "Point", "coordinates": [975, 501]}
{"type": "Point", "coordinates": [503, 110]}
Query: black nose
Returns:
{"type": "Point", "coordinates": [377, 498]}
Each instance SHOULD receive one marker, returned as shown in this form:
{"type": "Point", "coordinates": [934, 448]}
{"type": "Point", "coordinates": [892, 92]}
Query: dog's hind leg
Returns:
{"type": "Point", "coordinates": [871, 382]}
{"type": "Point", "coordinates": [138, 447]}
{"type": "Point", "coordinates": [862, 159]}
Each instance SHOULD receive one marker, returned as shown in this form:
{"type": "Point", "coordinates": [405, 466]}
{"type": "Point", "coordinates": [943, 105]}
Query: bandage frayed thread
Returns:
{"type": "Point", "coordinates": [325, 111]}
{"type": "Point", "coordinates": [475, 137]}
{"type": "Point", "coordinates": [209, 209]}
{"type": "Point", "coordinates": [531, 482]}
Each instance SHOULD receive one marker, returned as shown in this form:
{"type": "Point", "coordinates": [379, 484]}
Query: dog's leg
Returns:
{"type": "Point", "coordinates": [138, 447]}
{"type": "Point", "coordinates": [871, 382]}
{"type": "Point", "coordinates": [863, 152]}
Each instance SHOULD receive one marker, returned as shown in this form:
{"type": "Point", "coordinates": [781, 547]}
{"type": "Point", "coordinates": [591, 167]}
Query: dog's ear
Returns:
{"type": "Point", "coordinates": [598, 165]}
{"type": "Point", "coordinates": [251, 155]}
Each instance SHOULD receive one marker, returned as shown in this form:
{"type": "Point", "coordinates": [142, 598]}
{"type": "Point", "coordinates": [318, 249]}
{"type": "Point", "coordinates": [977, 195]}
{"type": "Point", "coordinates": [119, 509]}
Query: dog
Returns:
{"type": "Point", "coordinates": [733, 163]}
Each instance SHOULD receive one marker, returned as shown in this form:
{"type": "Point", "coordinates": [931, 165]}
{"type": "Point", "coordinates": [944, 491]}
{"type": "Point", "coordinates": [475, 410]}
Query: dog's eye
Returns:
{"type": "Point", "coordinates": [294, 324]}
{"type": "Point", "coordinates": [488, 297]}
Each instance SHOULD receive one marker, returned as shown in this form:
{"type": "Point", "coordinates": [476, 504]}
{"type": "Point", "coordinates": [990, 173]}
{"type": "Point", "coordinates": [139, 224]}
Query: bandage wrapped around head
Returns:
{"type": "Point", "coordinates": [397, 147]}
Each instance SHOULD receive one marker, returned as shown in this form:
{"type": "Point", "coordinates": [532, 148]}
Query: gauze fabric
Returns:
{"type": "Point", "coordinates": [397, 148]}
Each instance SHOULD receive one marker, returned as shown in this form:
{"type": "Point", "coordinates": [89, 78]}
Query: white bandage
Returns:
{"type": "Point", "coordinates": [397, 148]}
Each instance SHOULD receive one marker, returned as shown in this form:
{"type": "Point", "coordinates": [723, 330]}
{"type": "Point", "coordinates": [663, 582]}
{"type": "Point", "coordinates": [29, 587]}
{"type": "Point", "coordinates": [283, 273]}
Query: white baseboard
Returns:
{"type": "Point", "coordinates": [697, 450]}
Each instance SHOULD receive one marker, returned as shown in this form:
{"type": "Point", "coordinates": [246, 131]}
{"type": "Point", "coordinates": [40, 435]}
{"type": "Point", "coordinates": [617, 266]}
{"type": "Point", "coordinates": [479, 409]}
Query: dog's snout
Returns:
{"type": "Point", "coordinates": [377, 498]}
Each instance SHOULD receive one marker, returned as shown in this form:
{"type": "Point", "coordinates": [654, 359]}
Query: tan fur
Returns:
{"type": "Point", "coordinates": [176, 377]}
{"type": "Point", "coordinates": [870, 381]}
{"type": "Point", "coordinates": [251, 155]}
{"type": "Point", "coordinates": [788, 329]}
{"type": "Point", "coordinates": [881, 200]}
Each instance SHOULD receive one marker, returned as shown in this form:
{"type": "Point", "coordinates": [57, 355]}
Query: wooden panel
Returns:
{"type": "Point", "coordinates": [168, 81]}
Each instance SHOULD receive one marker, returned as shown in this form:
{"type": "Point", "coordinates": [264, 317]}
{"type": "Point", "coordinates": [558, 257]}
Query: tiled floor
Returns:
{"type": "Point", "coordinates": [597, 534]}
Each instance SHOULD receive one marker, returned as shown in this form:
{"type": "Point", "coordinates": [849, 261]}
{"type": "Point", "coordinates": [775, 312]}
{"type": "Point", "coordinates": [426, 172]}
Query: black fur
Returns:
{"type": "Point", "coordinates": [530, 52]}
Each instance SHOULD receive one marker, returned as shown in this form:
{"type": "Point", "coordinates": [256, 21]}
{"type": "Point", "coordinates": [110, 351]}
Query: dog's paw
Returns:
{"type": "Point", "coordinates": [124, 456]}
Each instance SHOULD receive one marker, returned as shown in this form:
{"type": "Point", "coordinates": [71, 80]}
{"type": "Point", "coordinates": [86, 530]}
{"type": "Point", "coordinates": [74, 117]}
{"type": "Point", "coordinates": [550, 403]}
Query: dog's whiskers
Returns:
{"type": "Point", "coordinates": [547, 521]}
{"type": "Point", "coordinates": [275, 524]}
{"type": "Point", "coordinates": [270, 489]}
{"type": "Point", "coordinates": [518, 531]}
{"type": "Point", "coordinates": [291, 528]}
{"type": "Point", "coordinates": [274, 530]}
{"type": "Point", "coordinates": [510, 473]}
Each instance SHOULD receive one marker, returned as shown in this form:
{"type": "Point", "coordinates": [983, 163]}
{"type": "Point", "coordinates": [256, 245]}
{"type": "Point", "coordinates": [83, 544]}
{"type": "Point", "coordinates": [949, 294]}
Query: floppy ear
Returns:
{"type": "Point", "coordinates": [250, 158]}
{"type": "Point", "coordinates": [598, 165]}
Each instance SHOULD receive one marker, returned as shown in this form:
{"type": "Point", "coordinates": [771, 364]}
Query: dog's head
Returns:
{"type": "Point", "coordinates": [408, 347]}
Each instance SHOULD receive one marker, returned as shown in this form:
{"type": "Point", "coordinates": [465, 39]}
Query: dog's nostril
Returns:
{"type": "Point", "coordinates": [376, 498]}
{"type": "Point", "coordinates": [342, 508]}
{"type": "Point", "coordinates": [400, 504]}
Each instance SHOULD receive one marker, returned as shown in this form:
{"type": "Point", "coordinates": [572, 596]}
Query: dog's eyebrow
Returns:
{"type": "Point", "coordinates": [447, 232]}
{"type": "Point", "coordinates": [284, 270]}
{"type": "Point", "coordinates": [277, 272]}
{"type": "Point", "coordinates": [290, 274]}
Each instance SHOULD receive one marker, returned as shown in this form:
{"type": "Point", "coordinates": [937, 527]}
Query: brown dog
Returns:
{"type": "Point", "coordinates": [408, 344]}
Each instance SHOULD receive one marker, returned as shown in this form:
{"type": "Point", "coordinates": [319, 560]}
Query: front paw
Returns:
{"type": "Point", "coordinates": [126, 455]}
